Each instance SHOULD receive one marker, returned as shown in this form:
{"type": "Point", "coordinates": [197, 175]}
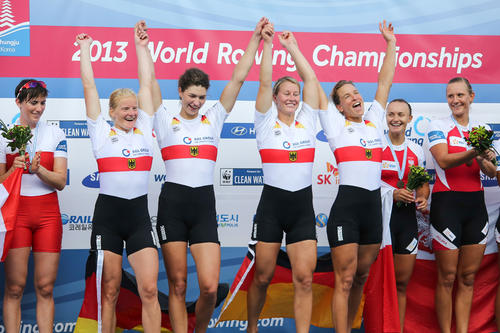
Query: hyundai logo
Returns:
{"type": "Point", "coordinates": [238, 130]}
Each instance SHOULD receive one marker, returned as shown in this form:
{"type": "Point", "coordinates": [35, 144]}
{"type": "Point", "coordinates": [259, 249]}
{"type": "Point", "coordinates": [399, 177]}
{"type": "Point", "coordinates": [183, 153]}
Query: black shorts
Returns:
{"type": "Point", "coordinates": [355, 217]}
{"type": "Point", "coordinates": [187, 214]}
{"type": "Point", "coordinates": [458, 218]}
{"type": "Point", "coordinates": [404, 229]}
{"type": "Point", "coordinates": [117, 220]}
{"type": "Point", "coordinates": [284, 211]}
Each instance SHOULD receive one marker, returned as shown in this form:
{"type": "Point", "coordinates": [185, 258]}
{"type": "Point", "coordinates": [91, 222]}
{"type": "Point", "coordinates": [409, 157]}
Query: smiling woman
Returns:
{"type": "Point", "coordinates": [356, 142]}
{"type": "Point", "coordinates": [124, 157]}
{"type": "Point", "coordinates": [38, 226]}
{"type": "Point", "coordinates": [189, 141]}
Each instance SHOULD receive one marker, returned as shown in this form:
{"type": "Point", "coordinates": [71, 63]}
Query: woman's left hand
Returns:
{"type": "Point", "coordinates": [387, 31]}
{"type": "Point", "coordinates": [35, 164]}
{"type": "Point", "coordinates": [421, 204]}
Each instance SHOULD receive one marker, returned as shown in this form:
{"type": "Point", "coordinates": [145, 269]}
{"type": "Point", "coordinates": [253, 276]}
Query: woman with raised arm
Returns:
{"type": "Point", "coordinates": [188, 141]}
{"type": "Point", "coordinates": [459, 232]}
{"type": "Point", "coordinates": [355, 234]}
{"type": "Point", "coordinates": [38, 226]}
{"type": "Point", "coordinates": [124, 153]}
{"type": "Point", "coordinates": [399, 203]}
{"type": "Point", "coordinates": [286, 141]}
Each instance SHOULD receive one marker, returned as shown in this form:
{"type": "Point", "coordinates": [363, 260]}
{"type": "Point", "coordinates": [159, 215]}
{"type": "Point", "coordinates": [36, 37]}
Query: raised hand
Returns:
{"type": "Point", "coordinates": [267, 32]}
{"type": "Point", "coordinates": [141, 36]}
{"type": "Point", "coordinates": [84, 39]}
{"type": "Point", "coordinates": [257, 33]}
{"type": "Point", "coordinates": [287, 39]}
{"type": "Point", "coordinates": [387, 31]}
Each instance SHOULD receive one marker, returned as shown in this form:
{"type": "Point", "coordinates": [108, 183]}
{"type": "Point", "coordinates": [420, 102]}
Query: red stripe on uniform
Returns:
{"type": "Point", "coordinates": [117, 164]}
{"type": "Point", "coordinates": [357, 154]}
{"type": "Point", "coordinates": [207, 152]}
{"type": "Point", "coordinates": [287, 156]}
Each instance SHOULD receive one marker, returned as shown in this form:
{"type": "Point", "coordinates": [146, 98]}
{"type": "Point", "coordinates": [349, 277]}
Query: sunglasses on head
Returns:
{"type": "Point", "coordinates": [32, 84]}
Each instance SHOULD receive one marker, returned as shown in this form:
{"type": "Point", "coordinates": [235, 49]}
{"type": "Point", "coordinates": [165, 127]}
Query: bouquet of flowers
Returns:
{"type": "Point", "coordinates": [416, 178]}
{"type": "Point", "coordinates": [18, 136]}
{"type": "Point", "coordinates": [481, 140]}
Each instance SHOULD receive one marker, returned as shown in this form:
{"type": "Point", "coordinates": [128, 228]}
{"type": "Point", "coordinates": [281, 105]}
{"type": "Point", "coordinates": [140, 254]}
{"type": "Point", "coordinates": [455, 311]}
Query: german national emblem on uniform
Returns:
{"type": "Point", "coordinates": [368, 154]}
{"type": "Point", "coordinates": [131, 163]}
{"type": "Point", "coordinates": [292, 156]}
{"type": "Point", "coordinates": [194, 151]}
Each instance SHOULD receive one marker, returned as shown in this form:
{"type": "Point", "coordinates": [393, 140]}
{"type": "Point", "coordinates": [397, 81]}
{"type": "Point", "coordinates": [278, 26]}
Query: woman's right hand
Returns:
{"type": "Point", "coordinates": [19, 162]}
{"type": "Point", "coordinates": [403, 195]}
{"type": "Point", "coordinates": [267, 33]}
{"type": "Point", "coordinates": [84, 40]}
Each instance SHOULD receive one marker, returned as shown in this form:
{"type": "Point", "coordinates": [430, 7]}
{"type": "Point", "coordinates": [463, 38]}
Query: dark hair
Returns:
{"type": "Point", "coordinates": [464, 80]}
{"type": "Point", "coordinates": [28, 89]}
{"type": "Point", "coordinates": [194, 77]}
{"type": "Point", "coordinates": [334, 95]}
{"type": "Point", "coordinates": [281, 80]}
{"type": "Point", "coordinates": [401, 100]}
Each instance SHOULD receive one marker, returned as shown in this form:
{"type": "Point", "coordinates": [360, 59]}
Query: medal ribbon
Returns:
{"type": "Point", "coordinates": [458, 127]}
{"type": "Point", "coordinates": [401, 171]}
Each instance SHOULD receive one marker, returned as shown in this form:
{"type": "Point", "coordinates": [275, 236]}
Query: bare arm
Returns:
{"type": "Point", "coordinates": [145, 68]}
{"type": "Point", "coordinates": [92, 104]}
{"type": "Point", "coordinates": [446, 160]}
{"type": "Point", "coordinates": [306, 73]}
{"type": "Point", "coordinates": [265, 94]}
{"type": "Point", "coordinates": [388, 68]}
{"type": "Point", "coordinates": [323, 100]}
{"type": "Point", "coordinates": [423, 193]}
{"type": "Point", "coordinates": [56, 178]}
{"type": "Point", "coordinates": [232, 89]}
{"type": "Point", "coordinates": [484, 161]}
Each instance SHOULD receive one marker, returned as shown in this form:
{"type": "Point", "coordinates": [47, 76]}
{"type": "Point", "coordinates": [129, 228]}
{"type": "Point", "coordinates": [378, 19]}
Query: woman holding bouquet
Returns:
{"type": "Point", "coordinates": [458, 231]}
{"type": "Point", "coordinates": [355, 234]}
{"type": "Point", "coordinates": [39, 226]}
{"type": "Point", "coordinates": [124, 153]}
{"type": "Point", "coordinates": [398, 201]}
{"type": "Point", "coordinates": [286, 142]}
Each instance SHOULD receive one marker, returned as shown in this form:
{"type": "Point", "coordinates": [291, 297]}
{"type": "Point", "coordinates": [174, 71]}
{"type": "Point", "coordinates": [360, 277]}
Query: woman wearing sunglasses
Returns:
{"type": "Point", "coordinates": [38, 226]}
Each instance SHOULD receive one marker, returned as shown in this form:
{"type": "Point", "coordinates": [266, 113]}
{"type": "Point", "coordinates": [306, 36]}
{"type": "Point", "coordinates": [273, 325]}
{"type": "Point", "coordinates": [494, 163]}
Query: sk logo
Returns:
{"type": "Point", "coordinates": [194, 151]}
{"type": "Point", "coordinates": [131, 163]}
{"type": "Point", "coordinates": [292, 156]}
{"type": "Point", "coordinates": [368, 154]}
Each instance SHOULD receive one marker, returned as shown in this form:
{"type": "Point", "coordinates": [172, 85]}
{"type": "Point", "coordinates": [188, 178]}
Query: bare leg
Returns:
{"type": "Point", "coordinates": [46, 265]}
{"type": "Point", "coordinates": [303, 261]}
{"type": "Point", "coordinates": [16, 270]}
{"type": "Point", "coordinates": [468, 264]}
{"type": "Point", "coordinates": [265, 263]}
{"type": "Point", "coordinates": [111, 280]}
{"type": "Point", "coordinates": [446, 261]}
{"type": "Point", "coordinates": [175, 259]}
{"type": "Point", "coordinates": [345, 259]}
{"type": "Point", "coordinates": [207, 259]}
{"type": "Point", "coordinates": [145, 265]}
{"type": "Point", "coordinates": [366, 256]}
{"type": "Point", "coordinates": [403, 267]}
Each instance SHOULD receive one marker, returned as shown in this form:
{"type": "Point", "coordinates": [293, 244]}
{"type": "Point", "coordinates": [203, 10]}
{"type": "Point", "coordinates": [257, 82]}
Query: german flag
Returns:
{"type": "Point", "coordinates": [128, 307]}
{"type": "Point", "coordinates": [279, 299]}
{"type": "Point", "coordinates": [378, 307]}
